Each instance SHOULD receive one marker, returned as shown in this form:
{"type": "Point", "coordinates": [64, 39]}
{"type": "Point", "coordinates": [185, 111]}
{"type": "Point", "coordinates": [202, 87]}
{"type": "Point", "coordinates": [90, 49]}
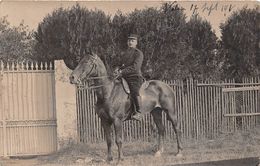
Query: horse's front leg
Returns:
{"type": "Point", "coordinates": [118, 131]}
{"type": "Point", "coordinates": [107, 130]}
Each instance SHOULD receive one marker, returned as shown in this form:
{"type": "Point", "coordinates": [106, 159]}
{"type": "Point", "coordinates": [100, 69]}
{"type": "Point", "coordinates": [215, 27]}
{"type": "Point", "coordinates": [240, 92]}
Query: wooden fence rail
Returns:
{"type": "Point", "coordinates": [200, 107]}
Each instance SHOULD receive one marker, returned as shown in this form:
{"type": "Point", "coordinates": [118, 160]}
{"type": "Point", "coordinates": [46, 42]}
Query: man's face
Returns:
{"type": "Point", "coordinates": [132, 42]}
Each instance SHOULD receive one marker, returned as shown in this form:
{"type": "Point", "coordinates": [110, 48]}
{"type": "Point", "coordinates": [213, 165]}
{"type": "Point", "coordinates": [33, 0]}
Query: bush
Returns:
{"type": "Point", "coordinates": [15, 42]}
{"type": "Point", "coordinates": [167, 41]}
{"type": "Point", "coordinates": [240, 44]}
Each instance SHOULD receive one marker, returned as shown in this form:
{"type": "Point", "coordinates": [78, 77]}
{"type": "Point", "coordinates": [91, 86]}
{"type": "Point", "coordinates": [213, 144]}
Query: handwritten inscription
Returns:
{"type": "Point", "coordinates": [175, 6]}
{"type": "Point", "coordinates": [209, 8]}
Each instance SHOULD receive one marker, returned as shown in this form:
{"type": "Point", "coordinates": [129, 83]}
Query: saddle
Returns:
{"type": "Point", "coordinates": [127, 91]}
{"type": "Point", "coordinates": [126, 86]}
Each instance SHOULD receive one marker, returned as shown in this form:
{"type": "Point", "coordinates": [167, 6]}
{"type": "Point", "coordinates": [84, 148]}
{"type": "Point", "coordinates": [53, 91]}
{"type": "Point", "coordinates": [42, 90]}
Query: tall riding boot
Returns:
{"type": "Point", "coordinates": [137, 115]}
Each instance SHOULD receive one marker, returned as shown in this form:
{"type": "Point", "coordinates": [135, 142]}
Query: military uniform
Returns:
{"type": "Point", "coordinates": [131, 71]}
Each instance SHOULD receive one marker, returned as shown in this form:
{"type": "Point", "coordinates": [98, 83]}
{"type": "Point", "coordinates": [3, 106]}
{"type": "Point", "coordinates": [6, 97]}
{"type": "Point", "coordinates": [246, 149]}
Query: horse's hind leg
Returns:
{"type": "Point", "coordinates": [118, 124]}
{"type": "Point", "coordinates": [157, 117]}
{"type": "Point", "coordinates": [173, 118]}
{"type": "Point", "coordinates": [107, 126]}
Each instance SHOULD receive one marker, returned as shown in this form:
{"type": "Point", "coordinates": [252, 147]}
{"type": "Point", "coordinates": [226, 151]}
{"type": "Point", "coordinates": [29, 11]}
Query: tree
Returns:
{"type": "Point", "coordinates": [172, 47]}
{"type": "Point", "coordinates": [164, 37]}
{"type": "Point", "coordinates": [15, 42]}
{"type": "Point", "coordinates": [69, 33]}
{"type": "Point", "coordinates": [203, 60]}
{"type": "Point", "coordinates": [52, 36]}
{"type": "Point", "coordinates": [240, 44]}
{"type": "Point", "coordinates": [161, 38]}
{"type": "Point", "coordinates": [72, 33]}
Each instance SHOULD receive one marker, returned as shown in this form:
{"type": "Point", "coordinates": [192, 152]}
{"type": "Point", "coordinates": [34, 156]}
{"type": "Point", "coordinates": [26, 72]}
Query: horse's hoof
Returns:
{"type": "Point", "coordinates": [110, 158]}
{"type": "Point", "coordinates": [158, 154]}
{"type": "Point", "coordinates": [179, 155]}
{"type": "Point", "coordinates": [121, 159]}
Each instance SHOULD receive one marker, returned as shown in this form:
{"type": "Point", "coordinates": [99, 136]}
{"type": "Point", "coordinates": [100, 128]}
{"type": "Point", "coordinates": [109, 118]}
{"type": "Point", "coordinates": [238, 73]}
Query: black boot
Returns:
{"type": "Point", "coordinates": [137, 115]}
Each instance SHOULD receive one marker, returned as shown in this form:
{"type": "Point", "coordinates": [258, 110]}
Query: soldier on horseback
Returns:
{"type": "Point", "coordinates": [113, 104]}
{"type": "Point", "coordinates": [131, 71]}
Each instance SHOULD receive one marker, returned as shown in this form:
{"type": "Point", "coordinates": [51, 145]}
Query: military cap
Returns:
{"type": "Point", "coordinates": [133, 36]}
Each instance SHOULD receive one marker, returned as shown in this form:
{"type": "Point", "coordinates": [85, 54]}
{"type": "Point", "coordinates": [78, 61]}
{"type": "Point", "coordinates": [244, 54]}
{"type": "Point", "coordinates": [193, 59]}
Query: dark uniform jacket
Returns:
{"type": "Point", "coordinates": [132, 60]}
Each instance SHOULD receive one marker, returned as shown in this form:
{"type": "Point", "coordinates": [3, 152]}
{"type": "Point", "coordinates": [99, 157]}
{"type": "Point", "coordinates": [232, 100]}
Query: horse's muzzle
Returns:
{"type": "Point", "coordinates": [72, 79]}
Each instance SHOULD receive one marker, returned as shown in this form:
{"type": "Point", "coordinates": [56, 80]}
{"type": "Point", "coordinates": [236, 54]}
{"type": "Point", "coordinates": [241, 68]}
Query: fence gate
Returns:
{"type": "Point", "coordinates": [241, 106]}
{"type": "Point", "coordinates": [27, 110]}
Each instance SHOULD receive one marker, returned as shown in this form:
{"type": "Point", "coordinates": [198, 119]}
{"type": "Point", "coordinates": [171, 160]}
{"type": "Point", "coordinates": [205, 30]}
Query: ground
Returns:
{"type": "Point", "coordinates": [227, 146]}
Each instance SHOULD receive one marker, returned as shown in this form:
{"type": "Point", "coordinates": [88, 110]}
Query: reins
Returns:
{"type": "Point", "coordinates": [95, 78]}
{"type": "Point", "coordinates": [83, 85]}
{"type": "Point", "coordinates": [93, 66]}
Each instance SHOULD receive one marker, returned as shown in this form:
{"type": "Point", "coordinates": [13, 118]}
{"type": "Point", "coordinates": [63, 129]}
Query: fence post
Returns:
{"type": "Point", "coordinates": [4, 139]}
{"type": "Point", "coordinates": [2, 88]}
{"type": "Point", "coordinates": [65, 105]}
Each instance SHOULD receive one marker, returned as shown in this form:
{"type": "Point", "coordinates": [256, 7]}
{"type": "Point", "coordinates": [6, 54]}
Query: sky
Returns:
{"type": "Point", "coordinates": [33, 12]}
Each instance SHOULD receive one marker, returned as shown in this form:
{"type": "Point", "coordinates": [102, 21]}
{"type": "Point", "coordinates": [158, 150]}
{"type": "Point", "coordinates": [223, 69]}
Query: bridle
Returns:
{"type": "Point", "coordinates": [94, 66]}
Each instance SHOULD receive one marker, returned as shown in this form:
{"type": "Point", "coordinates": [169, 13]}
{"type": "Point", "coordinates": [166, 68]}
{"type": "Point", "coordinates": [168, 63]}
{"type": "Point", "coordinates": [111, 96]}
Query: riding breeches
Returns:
{"type": "Point", "coordinates": [134, 83]}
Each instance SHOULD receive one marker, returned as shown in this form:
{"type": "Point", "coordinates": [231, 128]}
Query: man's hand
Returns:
{"type": "Point", "coordinates": [78, 58]}
{"type": "Point", "coordinates": [117, 72]}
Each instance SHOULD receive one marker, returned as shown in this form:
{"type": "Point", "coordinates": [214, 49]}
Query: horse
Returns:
{"type": "Point", "coordinates": [113, 103]}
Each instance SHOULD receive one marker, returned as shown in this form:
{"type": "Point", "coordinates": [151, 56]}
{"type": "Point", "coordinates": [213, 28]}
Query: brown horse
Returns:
{"type": "Point", "coordinates": [113, 103]}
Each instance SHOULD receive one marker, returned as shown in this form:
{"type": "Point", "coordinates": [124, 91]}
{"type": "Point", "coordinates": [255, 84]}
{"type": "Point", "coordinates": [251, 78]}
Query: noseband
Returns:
{"type": "Point", "coordinates": [94, 65]}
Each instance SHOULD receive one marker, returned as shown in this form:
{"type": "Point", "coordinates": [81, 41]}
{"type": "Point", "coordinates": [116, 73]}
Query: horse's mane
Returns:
{"type": "Point", "coordinates": [109, 70]}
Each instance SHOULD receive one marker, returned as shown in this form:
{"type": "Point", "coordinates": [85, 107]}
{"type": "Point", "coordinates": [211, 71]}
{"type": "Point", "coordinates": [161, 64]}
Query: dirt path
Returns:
{"type": "Point", "coordinates": [18, 162]}
{"type": "Point", "coordinates": [253, 161]}
{"type": "Point", "coordinates": [226, 147]}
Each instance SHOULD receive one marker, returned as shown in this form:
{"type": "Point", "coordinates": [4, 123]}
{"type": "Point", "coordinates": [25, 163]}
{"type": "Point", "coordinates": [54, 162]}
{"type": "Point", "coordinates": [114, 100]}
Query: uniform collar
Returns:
{"type": "Point", "coordinates": [131, 48]}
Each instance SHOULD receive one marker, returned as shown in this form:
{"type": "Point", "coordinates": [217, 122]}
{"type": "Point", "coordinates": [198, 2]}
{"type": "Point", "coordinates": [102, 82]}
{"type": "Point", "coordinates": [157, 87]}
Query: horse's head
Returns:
{"type": "Point", "coordinates": [85, 69]}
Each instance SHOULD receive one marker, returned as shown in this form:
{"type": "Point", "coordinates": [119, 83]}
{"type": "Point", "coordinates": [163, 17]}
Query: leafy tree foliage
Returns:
{"type": "Point", "coordinates": [240, 44]}
{"type": "Point", "coordinates": [52, 36]}
{"type": "Point", "coordinates": [89, 31]}
{"type": "Point", "coordinates": [202, 61]}
{"type": "Point", "coordinates": [72, 33]}
{"type": "Point", "coordinates": [172, 47]}
{"type": "Point", "coordinates": [53, 40]}
{"type": "Point", "coordinates": [15, 42]}
{"type": "Point", "coordinates": [161, 38]}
